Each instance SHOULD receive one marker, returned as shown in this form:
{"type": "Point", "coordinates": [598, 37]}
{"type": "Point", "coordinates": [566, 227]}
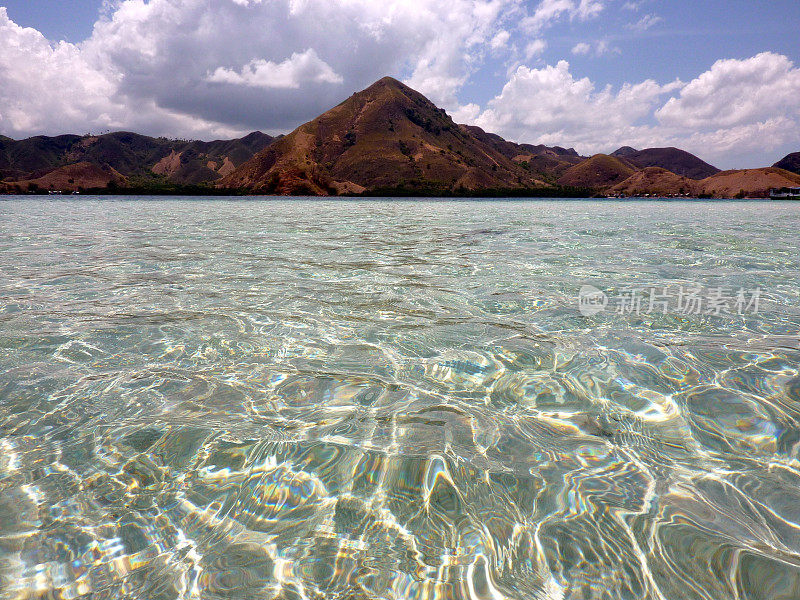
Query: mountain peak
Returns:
{"type": "Point", "coordinates": [673, 159]}
{"type": "Point", "coordinates": [390, 90]}
{"type": "Point", "coordinates": [624, 151]}
{"type": "Point", "coordinates": [386, 136]}
{"type": "Point", "coordinates": [790, 162]}
{"type": "Point", "coordinates": [388, 82]}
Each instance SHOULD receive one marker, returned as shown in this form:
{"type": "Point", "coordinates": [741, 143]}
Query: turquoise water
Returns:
{"type": "Point", "coordinates": [381, 400]}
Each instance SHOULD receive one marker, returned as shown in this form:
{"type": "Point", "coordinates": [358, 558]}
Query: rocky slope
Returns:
{"type": "Point", "coordinates": [598, 172]}
{"type": "Point", "coordinates": [750, 183]}
{"type": "Point", "coordinates": [675, 160]}
{"type": "Point", "coordinates": [790, 162]}
{"type": "Point", "coordinates": [387, 137]}
{"type": "Point", "coordinates": [70, 178]}
{"type": "Point", "coordinates": [656, 181]}
{"type": "Point", "coordinates": [548, 163]}
{"type": "Point", "coordinates": [127, 154]}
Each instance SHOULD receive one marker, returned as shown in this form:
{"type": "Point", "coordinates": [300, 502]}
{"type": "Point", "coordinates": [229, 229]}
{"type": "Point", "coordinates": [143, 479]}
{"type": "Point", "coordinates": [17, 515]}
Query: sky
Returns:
{"type": "Point", "coordinates": [719, 78]}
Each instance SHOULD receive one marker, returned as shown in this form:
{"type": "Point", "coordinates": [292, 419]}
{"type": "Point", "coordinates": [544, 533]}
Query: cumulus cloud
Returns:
{"type": "Point", "coordinates": [26, 100]}
{"type": "Point", "coordinates": [237, 65]}
{"type": "Point", "coordinates": [291, 73]}
{"type": "Point", "coordinates": [733, 93]}
{"type": "Point", "coordinates": [62, 87]}
{"type": "Point", "coordinates": [215, 69]}
{"type": "Point", "coordinates": [735, 108]}
{"type": "Point", "coordinates": [549, 105]}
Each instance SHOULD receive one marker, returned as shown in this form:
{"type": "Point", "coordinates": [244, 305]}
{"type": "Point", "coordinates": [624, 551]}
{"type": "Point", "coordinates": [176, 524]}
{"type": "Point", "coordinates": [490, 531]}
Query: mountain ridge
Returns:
{"type": "Point", "coordinates": [387, 139]}
{"type": "Point", "coordinates": [790, 162]}
{"type": "Point", "coordinates": [387, 136]}
{"type": "Point", "coordinates": [672, 159]}
{"type": "Point", "coordinates": [129, 154]}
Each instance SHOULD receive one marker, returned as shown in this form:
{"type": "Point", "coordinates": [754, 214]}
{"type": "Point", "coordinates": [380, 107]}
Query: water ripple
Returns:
{"type": "Point", "coordinates": [394, 400]}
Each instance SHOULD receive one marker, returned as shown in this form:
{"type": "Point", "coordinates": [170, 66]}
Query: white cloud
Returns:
{"type": "Point", "coordinates": [736, 109]}
{"type": "Point", "coordinates": [549, 105]}
{"type": "Point", "coordinates": [204, 69]}
{"type": "Point", "coordinates": [581, 48]}
{"type": "Point", "coordinates": [549, 11]}
{"type": "Point", "coordinates": [535, 48]}
{"type": "Point", "coordinates": [291, 73]}
{"type": "Point", "coordinates": [734, 93]}
{"type": "Point", "coordinates": [500, 40]}
{"type": "Point", "coordinates": [598, 48]}
{"type": "Point", "coordinates": [237, 65]}
{"type": "Point", "coordinates": [645, 23]}
{"type": "Point", "coordinates": [590, 8]}
{"type": "Point", "coordinates": [61, 88]}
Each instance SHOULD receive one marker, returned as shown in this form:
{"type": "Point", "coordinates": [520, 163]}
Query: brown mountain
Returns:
{"type": "Point", "coordinates": [82, 175]}
{"type": "Point", "coordinates": [598, 172]}
{"type": "Point", "coordinates": [657, 182]}
{"type": "Point", "coordinates": [385, 137]}
{"type": "Point", "coordinates": [548, 163]}
{"type": "Point", "coordinates": [678, 161]}
{"type": "Point", "coordinates": [752, 183]}
{"type": "Point", "coordinates": [791, 162]}
{"type": "Point", "coordinates": [128, 154]}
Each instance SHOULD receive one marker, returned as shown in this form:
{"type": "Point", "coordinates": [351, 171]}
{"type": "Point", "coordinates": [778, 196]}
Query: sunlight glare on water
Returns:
{"type": "Point", "coordinates": [395, 400]}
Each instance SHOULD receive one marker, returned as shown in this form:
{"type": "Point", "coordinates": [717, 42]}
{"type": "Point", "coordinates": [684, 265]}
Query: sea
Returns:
{"type": "Point", "coordinates": [304, 399]}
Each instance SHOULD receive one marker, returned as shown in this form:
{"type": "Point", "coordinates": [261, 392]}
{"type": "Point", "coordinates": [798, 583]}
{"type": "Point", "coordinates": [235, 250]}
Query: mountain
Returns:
{"type": "Point", "coordinates": [128, 155]}
{"type": "Point", "coordinates": [387, 137]}
{"type": "Point", "coordinates": [548, 163]}
{"type": "Point", "coordinates": [749, 183]}
{"type": "Point", "coordinates": [678, 161]}
{"type": "Point", "coordinates": [624, 152]}
{"type": "Point", "coordinates": [656, 181]}
{"type": "Point", "coordinates": [82, 175]}
{"type": "Point", "coordinates": [790, 162]}
{"type": "Point", "coordinates": [752, 183]}
{"type": "Point", "coordinates": [28, 157]}
{"type": "Point", "coordinates": [598, 172]}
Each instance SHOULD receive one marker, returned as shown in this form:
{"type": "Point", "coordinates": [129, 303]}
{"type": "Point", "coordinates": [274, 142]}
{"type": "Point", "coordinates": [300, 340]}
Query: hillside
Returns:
{"type": "Point", "coordinates": [545, 162]}
{"type": "Point", "coordinates": [675, 160]}
{"type": "Point", "coordinates": [128, 154]}
{"type": "Point", "coordinates": [752, 183]}
{"type": "Point", "coordinates": [82, 175]}
{"type": "Point", "coordinates": [387, 137]}
{"type": "Point", "coordinates": [790, 162]}
{"type": "Point", "coordinates": [598, 172]}
{"type": "Point", "coordinates": [656, 181]}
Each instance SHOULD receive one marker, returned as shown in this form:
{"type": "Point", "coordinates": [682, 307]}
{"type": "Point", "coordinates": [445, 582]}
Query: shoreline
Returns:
{"type": "Point", "coordinates": [387, 198]}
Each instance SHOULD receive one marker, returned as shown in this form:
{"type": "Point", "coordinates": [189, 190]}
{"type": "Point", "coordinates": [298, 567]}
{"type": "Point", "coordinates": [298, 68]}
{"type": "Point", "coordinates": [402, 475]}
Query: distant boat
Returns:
{"type": "Point", "coordinates": [785, 194]}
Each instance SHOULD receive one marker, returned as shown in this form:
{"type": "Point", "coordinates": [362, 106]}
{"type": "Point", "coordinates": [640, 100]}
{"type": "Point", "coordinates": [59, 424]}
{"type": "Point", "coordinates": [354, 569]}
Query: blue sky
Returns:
{"type": "Point", "coordinates": [592, 74]}
{"type": "Point", "coordinates": [70, 20]}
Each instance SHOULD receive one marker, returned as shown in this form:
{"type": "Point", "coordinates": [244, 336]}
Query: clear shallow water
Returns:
{"type": "Point", "coordinates": [352, 400]}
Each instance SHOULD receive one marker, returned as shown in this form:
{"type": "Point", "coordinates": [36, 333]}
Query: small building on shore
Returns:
{"type": "Point", "coordinates": [785, 193]}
